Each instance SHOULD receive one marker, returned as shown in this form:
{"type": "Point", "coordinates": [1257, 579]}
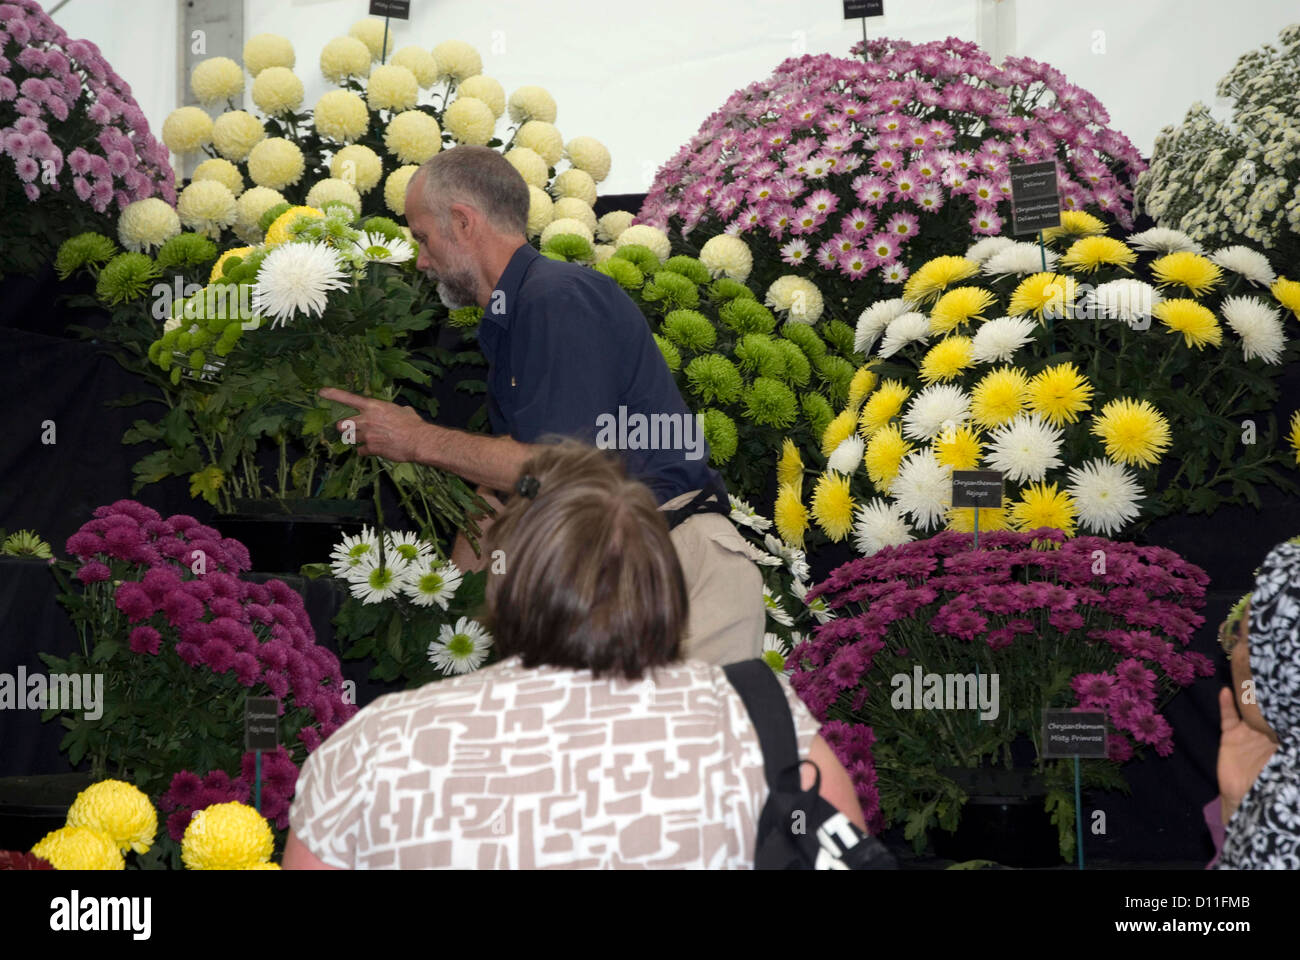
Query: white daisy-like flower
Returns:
{"type": "Point", "coordinates": [1019, 258]}
{"type": "Point", "coordinates": [793, 556]}
{"type": "Point", "coordinates": [1251, 264]}
{"type": "Point", "coordinates": [879, 524]}
{"type": "Point", "coordinates": [1164, 240]}
{"type": "Point", "coordinates": [297, 278]}
{"type": "Point", "coordinates": [462, 648]}
{"type": "Point", "coordinates": [775, 610]}
{"type": "Point", "coordinates": [997, 340]}
{"type": "Point", "coordinates": [426, 582]}
{"type": "Point", "coordinates": [372, 582]}
{"type": "Point", "coordinates": [377, 248]}
{"type": "Point", "coordinates": [817, 607]}
{"type": "Point", "coordinates": [774, 652]}
{"type": "Point", "coordinates": [1105, 495]}
{"type": "Point", "coordinates": [847, 457]}
{"type": "Point", "coordinates": [904, 329]}
{"type": "Point", "coordinates": [981, 250]}
{"type": "Point", "coordinates": [406, 545]}
{"type": "Point", "coordinates": [937, 406]}
{"type": "Point", "coordinates": [745, 515]}
{"type": "Point", "coordinates": [353, 551]}
{"type": "Point", "coordinates": [1024, 449]}
{"type": "Point", "coordinates": [923, 488]}
{"type": "Point", "coordinates": [1258, 326]}
{"type": "Point", "coordinates": [873, 320]}
{"type": "Point", "coordinates": [1125, 299]}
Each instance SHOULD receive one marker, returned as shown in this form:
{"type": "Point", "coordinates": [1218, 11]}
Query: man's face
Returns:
{"type": "Point", "coordinates": [441, 256]}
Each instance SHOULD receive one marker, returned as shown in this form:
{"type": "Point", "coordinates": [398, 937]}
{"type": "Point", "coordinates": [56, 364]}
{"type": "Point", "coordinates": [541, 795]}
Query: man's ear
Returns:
{"type": "Point", "coordinates": [464, 221]}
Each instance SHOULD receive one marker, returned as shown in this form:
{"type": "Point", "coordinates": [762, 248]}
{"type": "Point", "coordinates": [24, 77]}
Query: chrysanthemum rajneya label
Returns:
{"type": "Point", "coordinates": [1070, 734]}
{"type": "Point", "coordinates": [977, 488]}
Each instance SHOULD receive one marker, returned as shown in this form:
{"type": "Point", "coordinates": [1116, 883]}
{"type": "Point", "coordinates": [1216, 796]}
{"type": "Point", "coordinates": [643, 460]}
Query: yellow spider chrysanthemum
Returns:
{"type": "Point", "coordinates": [1042, 505]}
{"type": "Point", "coordinates": [959, 306]}
{"type": "Point", "coordinates": [1294, 436]}
{"type": "Point", "coordinates": [936, 276]}
{"type": "Point", "coordinates": [960, 448]}
{"type": "Point", "coordinates": [839, 430]}
{"type": "Point", "coordinates": [863, 382]}
{"type": "Point", "coordinates": [999, 396]}
{"type": "Point", "coordinates": [1060, 393]}
{"type": "Point", "coordinates": [791, 515]}
{"type": "Point", "coordinates": [226, 836]}
{"type": "Point", "coordinates": [832, 505]}
{"type": "Point", "coordinates": [1041, 293]}
{"type": "Point", "coordinates": [1093, 253]}
{"type": "Point", "coordinates": [1133, 431]}
{"type": "Point", "coordinates": [1287, 293]}
{"type": "Point", "coordinates": [1074, 223]}
{"type": "Point", "coordinates": [962, 519]}
{"type": "Point", "coordinates": [789, 469]}
{"type": "Point", "coordinates": [885, 451]}
{"type": "Point", "coordinates": [1191, 270]}
{"type": "Point", "coordinates": [80, 848]}
{"type": "Point", "coordinates": [882, 406]}
{"type": "Point", "coordinates": [947, 359]}
{"type": "Point", "coordinates": [1196, 323]}
{"type": "Point", "coordinates": [221, 260]}
{"type": "Point", "coordinates": [118, 809]}
{"type": "Point", "coordinates": [278, 232]}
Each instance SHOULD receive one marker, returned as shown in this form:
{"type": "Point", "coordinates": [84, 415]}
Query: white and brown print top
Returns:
{"type": "Point", "coordinates": [511, 767]}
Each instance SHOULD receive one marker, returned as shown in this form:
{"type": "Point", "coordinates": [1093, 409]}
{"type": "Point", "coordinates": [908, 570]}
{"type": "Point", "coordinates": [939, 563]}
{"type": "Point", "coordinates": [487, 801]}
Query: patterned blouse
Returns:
{"type": "Point", "coordinates": [510, 767]}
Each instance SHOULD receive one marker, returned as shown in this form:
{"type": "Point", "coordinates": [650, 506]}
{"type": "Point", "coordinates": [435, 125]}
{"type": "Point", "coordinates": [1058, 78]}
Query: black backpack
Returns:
{"type": "Point", "coordinates": [797, 830]}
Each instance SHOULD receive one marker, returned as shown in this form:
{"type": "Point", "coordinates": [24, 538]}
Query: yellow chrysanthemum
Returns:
{"type": "Point", "coordinates": [469, 120]}
{"type": "Point", "coordinates": [863, 382]}
{"type": "Point", "coordinates": [341, 115]}
{"type": "Point", "coordinates": [278, 232]}
{"type": "Point", "coordinates": [371, 31]}
{"type": "Point", "coordinates": [344, 57]}
{"type": "Point", "coordinates": [222, 171]}
{"type": "Point", "coordinates": [832, 505]}
{"type": "Point", "coordinates": [249, 208]}
{"type": "Point", "coordinates": [789, 469]}
{"type": "Point", "coordinates": [395, 188]}
{"type": "Point", "coordinates": [542, 137]}
{"type": "Point", "coordinates": [118, 809]}
{"type": "Point", "coordinates": [276, 163]}
{"type": "Point", "coordinates": [267, 50]}
{"type": "Point", "coordinates": [1287, 293]}
{"type": "Point", "coordinates": [186, 130]}
{"type": "Point", "coordinates": [1093, 253]}
{"type": "Point", "coordinates": [226, 836]}
{"type": "Point", "coordinates": [589, 154]}
{"type": "Point", "coordinates": [541, 210]}
{"type": "Point", "coordinates": [1198, 324]}
{"type": "Point", "coordinates": [422, 64]}
{"type": "Point", "coordinates": [79, 848]}
{"type": "Point", "coordinates": [882, 406]}
{"type": "Point", "coordinates": [392, 87]}
{"type": "Point", "coordinates": [268, 865]}
{"type": "Point", "coordinates": [1042, 505]}
{"type": "Point", "coordinates": [1074, 223]}
{"type": "Point", "coordinates": [791, 515]}
{"type": "Point", "coordinates": [936, 276]}
{"type": "Point", "coordinates": [236, 132]}
{"type": "Point", "coordinates": [216, 79]}
{"type": "Point", "coordinates": [486, 89]}
{"type": "Point", "coordinates": [962, 519]}
{"type": "Point", "coordinates": [575, 183]}
{"type": "Point", "coordinates": [1133, 431]}
{"type": "Point", "coordinates": [358, 165]}
{"type": "Point", "coordinates": [221, 260]}
{"type": "Point", "coordinates": [1060, 393]}
{"type": "Point", "coordinates": [960, 448]}
{"type": "Point", "coordinates": [1040, 292]}
{"type": "Point", "coordinates": [1293, 437]}
{"type": "Point", "coordinates": [999, 396]}
{"type": "Point", "coordinates": [457, 60]}
{"type": "Point", "coordinates": [885, 451]}
{"type": "Point", "coordinates": [1191, 270]}
{"type": "Point", "coordinates": [413, 136]}
{"type": "Point", "coordinates": [839, 430]}
{"type": "Point", "coordinates": [277, 90]}
{"type": "Point", "coordinates": [947, 359]}
{"type": "Point", "coordinates": [959, 306]}
{"type": "Point", "coordinates": [330, 190]}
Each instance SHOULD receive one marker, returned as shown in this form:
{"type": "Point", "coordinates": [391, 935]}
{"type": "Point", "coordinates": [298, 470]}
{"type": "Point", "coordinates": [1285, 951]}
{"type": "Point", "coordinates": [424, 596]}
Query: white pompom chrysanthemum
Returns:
{"type": "Point", "coordinates": [341, 115]}
{"type": "Point", "coordinates": [267, 50]}
{"type": "Point", "coordinates": [392, 87]}
{"type": "Point", "coordinates": [879, 524]}
{"type": "Point", "coordinates": [358, 165]}
{"type": "Point", "coordinates": [611, 226]}
{"type": "Point", "coordinates": [923, 488]}
{"type": "Point", "coordinates": [422, 64]}
{"type": "Point", "coordinates": [1251, 264]}
{"type": "Point", "coordinates": [938, 406]}
{"type": "Point", "coordinates": [1105, 496]}
{"type": "Point", "coordinates": [236, 132]}
{"type": "Point", "coordinates": [222, 171]}
{"type": "Point", "coordinates": [795, 296]}
{"type": "Point", "coordinates": [557, 227]}
{"type": "Point", "coordinates": [589, 154]}
{"type": "Point", "coordinates": [413, 136]}
{"type": "Point", "coordinates": [332, 190]}
{"type": "Point", "coordinates": [542, 137]}
{"type": "Point", "coordinates": [249, 208]}
{"type": "Point", "coordinates": [541, 210]}
{"type": "Point", "coordinates": [1164, 240]}
{"type": "Point", "coordinates": [372, 31]}
{"type": "Point", "coordinates": [646, 236]}
{"type": "Point", "coordinates": [486, 89]}
{"type": "Point", "coordinates": [186, 130]}
{"type": "Point", "coordinates": [344, 57]}
{"type": "Point", "coordinates": [908, 327]}
{"type": "Point", "coordinates": [873, 320]}
{"type": "Point", "coordinates": [530, 166]}
{"type": "Point", "coordinates": [726, 256]}
{"type": "Point", "coordinates": [1024, 449]}
{"type": "Point", "coordinates": [275, 163]}
{"type": "Point", "coordinates": [1258, 325]}
{"type": "Point", "coordinates": [531, 103]}
{"type": "Point", "coordinates": [147, 224]}
{"type": "Point", "coordinates": [296, 278]}
{"type": "Point", "coordinates": [216, 79]}
{"type": "Point", "coordinates": [469, 120]}
{"type": "Point", "coordinates": [575, 183]}
{"type": "Point", "coordinates": [457, 60]}
{"type": "Point", "coordinates": [207, 207]}
{"type": "Point", "coordinates": [999, 339]}
{"type": "Point", "coordinates": [277, 90]}
{"type": "Point", "coordinates": [395, 188]}
{"type": "Point", "coordinates": [571, 208]}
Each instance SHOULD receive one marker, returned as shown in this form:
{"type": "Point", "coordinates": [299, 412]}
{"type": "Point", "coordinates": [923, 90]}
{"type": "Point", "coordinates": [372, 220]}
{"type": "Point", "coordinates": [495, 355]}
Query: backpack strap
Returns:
{"type": "Point", "coordinates": [769, 711]}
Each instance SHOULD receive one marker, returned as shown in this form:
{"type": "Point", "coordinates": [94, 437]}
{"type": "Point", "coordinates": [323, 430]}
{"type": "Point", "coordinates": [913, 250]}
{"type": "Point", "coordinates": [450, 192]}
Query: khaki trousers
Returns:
{"type": "Point", "coordinates": [724, 587]}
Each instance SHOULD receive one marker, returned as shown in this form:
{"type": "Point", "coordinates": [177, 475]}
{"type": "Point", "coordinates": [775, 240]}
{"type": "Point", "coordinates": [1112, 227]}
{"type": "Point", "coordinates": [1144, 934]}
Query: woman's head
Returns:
{"type": "Point", "coordinates": [1274, 639]}
{"type": "Point", "coordinates": [591, 578]}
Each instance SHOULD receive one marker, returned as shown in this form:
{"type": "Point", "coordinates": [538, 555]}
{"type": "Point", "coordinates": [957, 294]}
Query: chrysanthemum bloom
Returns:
{"type": "Point", "coordinates": [531, 103]}
{"type": "Point", "coordinates": [226, 836]}
{"type": "Point", "coordinates": [395, 188]}
{"type": "Point", "coordinates": [371, 31]}
{"type": "Point", "coordinates": [562, 226]}
{"type": "Point", "coordinates": [1164, 240]}
{"type": "Point", "coordinates": [790, 515]}
{"type": "Point", "coordinates": [575, 183]}
{"type": "Point", "coordinates": [874, 319]}
{"type": "Point", "coordinates": [882, 406]}
{"type": "Point", "coordinates": [1287, 293]}
{"type": "Point", "coordinates": [589, 154]}
{"type": "Point", "coordinates": [119, 810]}
{"type": "Point", "coordinates": [832, 505]}
{"type": "Point", "coordinates": [222, 171]}
{"type": "Point", "coordinates": [1133, 431]}
{"type": "Point", "coordinates": [1074, 223]}
{"type": "Point", "coordinates": [647, 236]}
{"type": "Point", "coordinates": [216, 79]}
{"type": "Point", "coordinates": [847, 457]}
{"type": "Point", "coordinates": [234, 133]}
{"type": "Point", "coordinates": [147, 224]}
{"type": "Point", "coordinates": [958, 307]}
{"type": "Point", "coordinates": [571, 208]}
{"type": "Point", "coordinates": [789, 468]}
{"type": "Point", "coordinates": [540, 210]}
{"type": "Point", "coordinates": [797, 297]}
{"type": "Point", "coordinates": [332, 190]}
{"type": "Point", "coordinates": [186, 130]}
{"type": "Point", "coordinates": [1105, 496]}
{"type": "Point", "coordinates": [1293, 436]}
{"type": "Point", "coordinates": [530, 166]}
{"type": "Point", "coordinates": [486, 89]}
{"type": "Point", "coordinates": [923, 488]}
{"type": "Point", "coordinates": [1092, 253]}
{"type": "Point", "coordinates": [344, 57]}
{"type": "Point", "coordinates": [719, 432]}
{"type": "Point", "coordinates": [341, 115]}
{"type": "Point", "coordinates": [267, 50]}
{"type": "Point", "coordinates": [774, 652]}
{"type": "Point", "coordinates": [392, 87]}
{"type": "Point", "coordinates": [542, 137]}
{"type": "Point", "coordinates": [277, 91]}
{"type": "Point", "coordinates": [1043, 294]}
{"type": "Point", "coordinates": [358, 165]}
{"type": "Point", "coordinates": [959, 448]}
{"type": "Point", "coordinates": [937, 406]}
{"type": "Point", "coordinates": [469, 120]}
{"type": "Point", "coordinates": [249, 208]}
{"type": "Point", "coordinates": [1024, 448]}
{"type": "Point", "coordinates": [962, 519]}
{"type": "Point", "coordinates": [936, 276]}
{"type": "Point", "coordinates": [1059, 393]}
{"type": "Point", "coordinates": [460, 649]}
{"type": "Point", "coordinates": [207, 207]}
{"type": "Point", "coordinates": [1042, 505]}
{"type": "Point", "coordinates": [1259, 326]}
{"type": "Point", "coordinates": [296, 278]}
{"type": "Point", "coordinates": [863, 382]}
{"type": "Point", "coordinates": [1251, 264]}
{"type": "Point", "coordinates": [421, 63]}
{"type": "Point", "coordinates": [79, 848]}
{"type": "Point", "coordinates": [219, 267]}
{"type": "Point", "coordinates": [1190, 270]}
{"type": "Point", "coordinates": [457, 60]}
{"type": "Point", "coordinates": [1195, 322]}
{"type": "Point", "coordinates": [946, 359]}
{"type": "Point", "coordinates": [275, 163]}
{"type": "Point", "coordinates": [885, 452]}
{"type": "Point", "coordinates": [1020, 259]}
{"type": "Point", "coordinates": [726, 256]}
{"type": "Point", "coordinates": [838, 430]}
{"type": "Point", "coordinates": [879, 524]}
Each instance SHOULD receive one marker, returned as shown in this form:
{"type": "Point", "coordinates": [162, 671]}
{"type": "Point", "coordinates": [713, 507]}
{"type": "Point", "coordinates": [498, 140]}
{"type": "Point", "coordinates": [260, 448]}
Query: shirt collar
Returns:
{"type": "Point", "coordinates": [506, 292]}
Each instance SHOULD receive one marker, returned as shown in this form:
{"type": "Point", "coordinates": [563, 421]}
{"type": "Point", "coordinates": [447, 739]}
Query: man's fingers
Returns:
{"type": "Point", "coordinates": [1228, 716]}
{"type": "Point", "coordinates": [350, 399]}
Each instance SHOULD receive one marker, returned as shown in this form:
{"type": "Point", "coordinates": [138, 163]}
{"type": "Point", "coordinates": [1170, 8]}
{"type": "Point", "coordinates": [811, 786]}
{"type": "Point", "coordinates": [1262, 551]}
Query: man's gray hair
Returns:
{"type": "Point", "coordinates": [479, 177]}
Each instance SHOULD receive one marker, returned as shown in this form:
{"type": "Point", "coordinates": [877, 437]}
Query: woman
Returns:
{"type": "Point", "coordinates": [590, 745]}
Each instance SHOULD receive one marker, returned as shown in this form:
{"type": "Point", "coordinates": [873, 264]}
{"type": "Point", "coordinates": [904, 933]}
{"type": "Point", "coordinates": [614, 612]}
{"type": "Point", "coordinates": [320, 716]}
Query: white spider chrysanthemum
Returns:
{"type": "Point", "coordinates": [923, 488]}
{"type": "Point", "coordinates": [997, 340]}
{"type": "Point", "coordinates": [377, 248]}
{"type": "Point", "coordinates": [1258, 326]}
{"type": "Point", "coordinates": [793, 556]}
{"type": "Point", "coordinates": [1024, 449]}
{"type": "Point", "coordinates": [873, 320]}
{"type": "Point", "coordinates": [1164, 240]}
{"type": "Point", "coordinates": [352, 551]}
{"type": "Point", "coordinates": [818, 607]}
{"type": "Point", "coordinates": [1125, 299]}
{"type": "Point", "coordinates": [937, 406]}
{"type": "Point", "coordinates": [1105, 495]}
{"type": "Point", "coordinates": [297, 278]}
{"type": "Point", "coordinates": [1019, 258]}
{"type": "Point", "coordinates": [981, 250]}
{"type": "Point", "coordinates": [1251, 264]}
{"type": "Point", "coordinates": [775, 610]}
{"type": "Point", "coordinates": [745, 515]}
{"type": "Point", "coordinates": [904, 329]}
{"type": "Point", "coordinates": [428, 581]}
{"type": "Point", "coordinates": [847, 457]}
{"type": "Point", "coordinates": [462, 648]}
{"type": "Point", "coordinates": [879, 524]}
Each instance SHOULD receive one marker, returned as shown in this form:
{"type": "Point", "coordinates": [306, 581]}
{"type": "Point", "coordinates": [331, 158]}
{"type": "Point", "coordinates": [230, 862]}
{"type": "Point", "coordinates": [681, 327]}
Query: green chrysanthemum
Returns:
{"type": "Point", "coordinates": [720, 432]}
{"type": "Point", "coordinates": [725, 289]}
{"type": "Point", "coordinates": [186, 250]}
{"type": "Point", "coordinates": [465, 317]}
{"type": "Point", "coordinates": [840, 336]}
{"type": "Point", "coordinates": [837, 374]}
{"type": "Point", "coordinates": [806, 337]}
{"type": "Point", "coordinates": [273, 214]}
{"type": "Point", "coordinates": [642, 256]}
{"type": "Point", "coordinates": [771, 403]}
{"type": "Point", "coordinates": [570, 246]}
{"type": "Point", "coordinates": [714, 377]}
{"type": "Point", "coordinates": [672, 289]}
{"type": "Point", "coordinates": [552, 255]}
{"type": "Point", "coordinates": [229, 337]}
{"type": "Point", "coordinates": [83, 250]}
{"type": "Point", "coordinates": [625, 273]}
{"type": "Point", "coordinates": [386, 228]}
{"type": "Point", "coordinates": [126, 277]}
{"type": "Point", "coordinates": [26, 543]}
{"type": "Point", "coordinates": [244, 270]}
{"type": "Point", "coordinates": [689, 330]}
{"type": "Point", "coordinates": [817, 410]}
{"type": "Point", "coordinates": [757, 355]}
{"type": "Point", "coordinates": [748, 316]}
{"type": "Point", "coordinates": [688, 267]}
{"type": "Point", "coordinates": [671, 355]}
{"type": "Point", "coordinates": [798, 371]}
{"type": "Point", "coordinates": [336, 227]}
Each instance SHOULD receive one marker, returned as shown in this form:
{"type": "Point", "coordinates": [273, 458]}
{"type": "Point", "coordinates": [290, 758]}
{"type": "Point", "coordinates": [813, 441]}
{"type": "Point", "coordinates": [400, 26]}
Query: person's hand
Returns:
{"type": "Point", "coordinates": [1243, 752]}
{"type": "Point", "coordinates": [382, 429]}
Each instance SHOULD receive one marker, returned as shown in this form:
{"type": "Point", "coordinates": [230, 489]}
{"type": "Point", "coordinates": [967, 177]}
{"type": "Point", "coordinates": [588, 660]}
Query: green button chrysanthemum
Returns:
{"type": "Point", "coordinates": [570, 246]}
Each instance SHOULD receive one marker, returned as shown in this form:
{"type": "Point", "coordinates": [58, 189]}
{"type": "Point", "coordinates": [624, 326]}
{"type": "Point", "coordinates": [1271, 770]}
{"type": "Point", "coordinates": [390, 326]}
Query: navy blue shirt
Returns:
{"type": "Point", "coordinates": [570, 354]}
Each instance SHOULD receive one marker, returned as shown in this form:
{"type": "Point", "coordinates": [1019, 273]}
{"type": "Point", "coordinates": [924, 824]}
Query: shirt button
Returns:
{"type": "Point", "coordinates": [512, 382]}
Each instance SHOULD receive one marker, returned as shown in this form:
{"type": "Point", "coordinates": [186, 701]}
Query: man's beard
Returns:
{"type": "Point", "coordinates": [456, 287]}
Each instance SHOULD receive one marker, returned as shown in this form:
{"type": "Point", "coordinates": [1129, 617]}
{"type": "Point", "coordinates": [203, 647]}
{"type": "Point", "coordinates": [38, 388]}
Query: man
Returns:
{"type": "Point", "coordinates": [568, 354]}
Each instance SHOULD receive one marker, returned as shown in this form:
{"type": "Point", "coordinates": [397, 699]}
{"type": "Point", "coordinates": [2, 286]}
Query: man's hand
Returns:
{"type": "Point", "coordinates": [1243, 753]}
{"type": "Point", "coordinates": [382, 429]}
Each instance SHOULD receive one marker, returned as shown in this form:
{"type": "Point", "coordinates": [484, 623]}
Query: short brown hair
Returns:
{"type": "Point", "coordinates": [591, 578]}
{"type": "Point", "coordinates": [480, 177]}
